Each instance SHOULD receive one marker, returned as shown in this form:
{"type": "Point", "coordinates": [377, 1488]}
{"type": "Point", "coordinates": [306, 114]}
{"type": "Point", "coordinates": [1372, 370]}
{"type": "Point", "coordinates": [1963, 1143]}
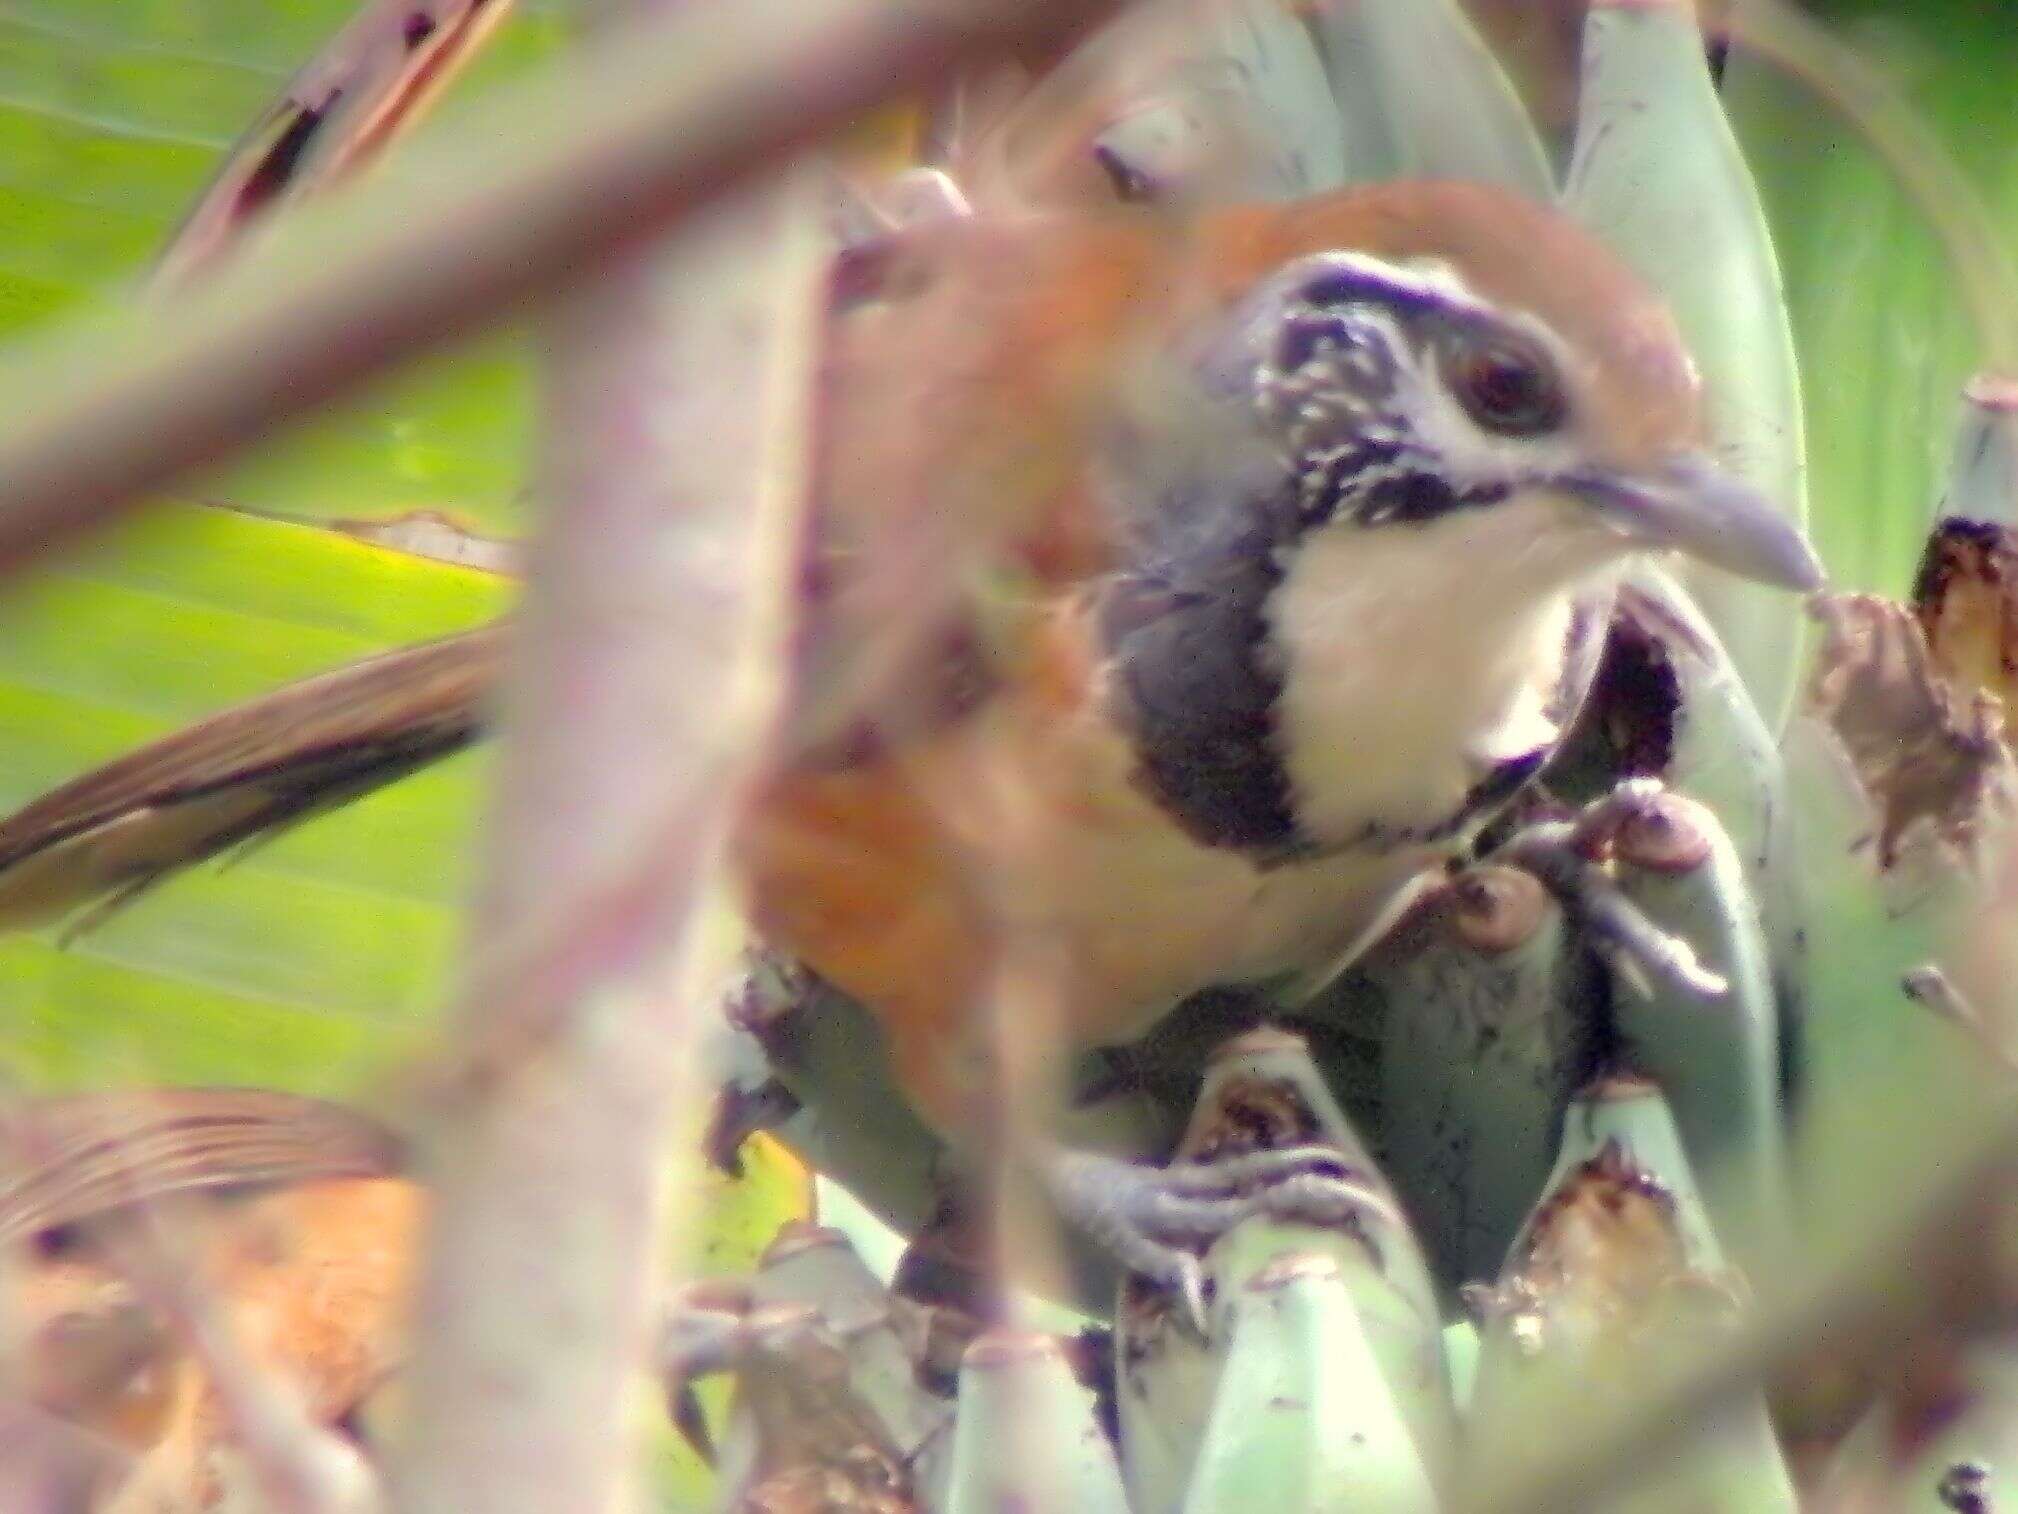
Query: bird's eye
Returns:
{"type": "Point", "coordinates": [1505, 384]}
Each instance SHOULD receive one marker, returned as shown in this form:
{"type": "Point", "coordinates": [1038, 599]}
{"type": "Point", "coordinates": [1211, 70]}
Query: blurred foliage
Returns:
{"type": "Point", "coordinates": [290, 966]}
{"type": "Point", "coordinates": [313, 961]}
{"type": "Point", "coordinates": [1884, 339]}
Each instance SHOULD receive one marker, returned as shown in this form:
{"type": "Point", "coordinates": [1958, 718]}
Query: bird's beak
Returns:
{"type": "Point", "coordinates": [1692, 506]}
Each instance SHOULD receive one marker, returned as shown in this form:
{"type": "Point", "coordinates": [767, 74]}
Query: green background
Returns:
{"type": "Point", "coordinates": [311, 959]}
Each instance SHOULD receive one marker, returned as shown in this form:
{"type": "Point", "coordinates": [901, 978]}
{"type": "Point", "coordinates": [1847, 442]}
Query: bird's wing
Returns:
{"type": "Point", "coordinates": [235, 776]}
{"type": "Point", "coordinates": [71, 1160]}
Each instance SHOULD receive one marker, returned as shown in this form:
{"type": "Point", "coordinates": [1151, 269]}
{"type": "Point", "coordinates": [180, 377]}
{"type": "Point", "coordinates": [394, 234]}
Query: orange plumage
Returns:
{"type": "Point", "coordinates": [285, 1217]}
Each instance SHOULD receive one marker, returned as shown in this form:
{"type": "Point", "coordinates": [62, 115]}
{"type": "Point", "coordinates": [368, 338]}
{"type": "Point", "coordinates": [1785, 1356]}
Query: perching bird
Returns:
{"type": "Point", "coordinates": [1305, 518]}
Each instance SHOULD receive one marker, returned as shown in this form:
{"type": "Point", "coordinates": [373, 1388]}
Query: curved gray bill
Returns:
{"type": "Point", "coordinates": [1693, 507]}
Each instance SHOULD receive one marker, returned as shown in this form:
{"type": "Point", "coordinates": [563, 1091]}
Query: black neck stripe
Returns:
{"type": "Point", "coordinates": [1198, 694]}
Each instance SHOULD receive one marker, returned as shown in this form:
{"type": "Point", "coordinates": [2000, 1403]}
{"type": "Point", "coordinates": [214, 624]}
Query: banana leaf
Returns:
{"type": "Point", "coordinates": [312, 960]}
{"type": "Point", "coordinates": [114, 113]}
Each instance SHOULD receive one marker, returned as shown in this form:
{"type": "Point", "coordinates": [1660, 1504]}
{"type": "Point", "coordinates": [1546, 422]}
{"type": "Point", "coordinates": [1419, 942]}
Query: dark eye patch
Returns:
{"type": "Point", "coordinates": [1505, 381]}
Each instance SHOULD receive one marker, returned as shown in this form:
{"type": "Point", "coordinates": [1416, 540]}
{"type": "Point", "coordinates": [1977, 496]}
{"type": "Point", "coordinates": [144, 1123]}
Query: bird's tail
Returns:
{"type": "Point", "coordinates": [86, 848]}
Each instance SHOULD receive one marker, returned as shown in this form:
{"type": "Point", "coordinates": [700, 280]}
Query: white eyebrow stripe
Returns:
{"type": "Point", "coordinates": [1415, 286]}
{"type": "Point", "coordinates": [1354, 276]}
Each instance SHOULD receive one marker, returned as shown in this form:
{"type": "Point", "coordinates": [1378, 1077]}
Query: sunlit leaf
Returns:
{"type": "Point", "coordinates": [113, 114]}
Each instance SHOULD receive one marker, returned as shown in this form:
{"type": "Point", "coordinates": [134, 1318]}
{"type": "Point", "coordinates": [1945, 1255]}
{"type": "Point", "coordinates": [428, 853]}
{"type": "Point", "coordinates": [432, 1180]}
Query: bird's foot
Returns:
{"type": "Point", "coordinates": [769, 990]}
{"type": "Point", "coordinates": [1158, 1221]}
{"type": "Point", "coordinates": [1568, 858]}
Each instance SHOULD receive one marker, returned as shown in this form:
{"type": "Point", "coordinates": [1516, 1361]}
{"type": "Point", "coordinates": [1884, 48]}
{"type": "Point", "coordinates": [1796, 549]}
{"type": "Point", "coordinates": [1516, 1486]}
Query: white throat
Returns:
{"type": "Point", "coordinates": [1416, 658]}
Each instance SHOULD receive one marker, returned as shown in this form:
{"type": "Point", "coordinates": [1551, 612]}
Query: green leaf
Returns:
{"type": "Point", "coordinates": [294, 965]}
{"type": "Point", "coordinates": [315, 958]}
{"type": "Point", "coordinates": [317, 961]}
{"type": "Point", "coordinates": [113, 114]}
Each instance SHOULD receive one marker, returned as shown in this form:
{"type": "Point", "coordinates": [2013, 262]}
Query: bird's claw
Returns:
{"type": "Point", "coordinates": [717, 1328]}
{"type": "Point", "coordinates": [740, 1112]}
{"type": "Point", "coordinates": [813, 1409]}
{"type": "Point", "coordinates": [1157, 1222]}
{"type": "Point", "coordinates": [1566, 857]}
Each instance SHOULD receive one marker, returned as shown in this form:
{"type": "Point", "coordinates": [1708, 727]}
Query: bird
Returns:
{"type": "Point", "coordinates": [293, 1221]}
{"type": "Point", "coordinates": [1275, 547]}
{"type": "Point", "coordinates": [148, 1229]}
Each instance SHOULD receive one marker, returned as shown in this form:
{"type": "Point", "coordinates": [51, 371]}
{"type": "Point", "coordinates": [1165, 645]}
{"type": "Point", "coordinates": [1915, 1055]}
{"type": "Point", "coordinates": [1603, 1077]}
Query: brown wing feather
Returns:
{"type": "Point", "coordinates": [205, 789]}
{"type": "Point", "coordinates": [72, 1160]}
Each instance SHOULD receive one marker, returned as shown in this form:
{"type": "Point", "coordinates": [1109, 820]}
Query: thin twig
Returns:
{"type": "Point", "coordinates": [644, 685]}
{"type": "Point", "coordinates": [620, 140]}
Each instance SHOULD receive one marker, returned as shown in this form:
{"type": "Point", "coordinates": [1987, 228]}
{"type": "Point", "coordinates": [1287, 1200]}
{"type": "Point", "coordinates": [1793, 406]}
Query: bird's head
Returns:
{"type": "Point", "coordinates": [1458, 362]}
{"type": "Point", "coordinates": [1434, 420]}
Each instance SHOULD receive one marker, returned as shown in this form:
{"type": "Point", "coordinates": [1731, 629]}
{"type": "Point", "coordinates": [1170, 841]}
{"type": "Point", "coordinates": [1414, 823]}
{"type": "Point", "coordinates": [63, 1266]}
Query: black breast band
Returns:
{"type": "Point", "coordinates": [1188, 639]}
